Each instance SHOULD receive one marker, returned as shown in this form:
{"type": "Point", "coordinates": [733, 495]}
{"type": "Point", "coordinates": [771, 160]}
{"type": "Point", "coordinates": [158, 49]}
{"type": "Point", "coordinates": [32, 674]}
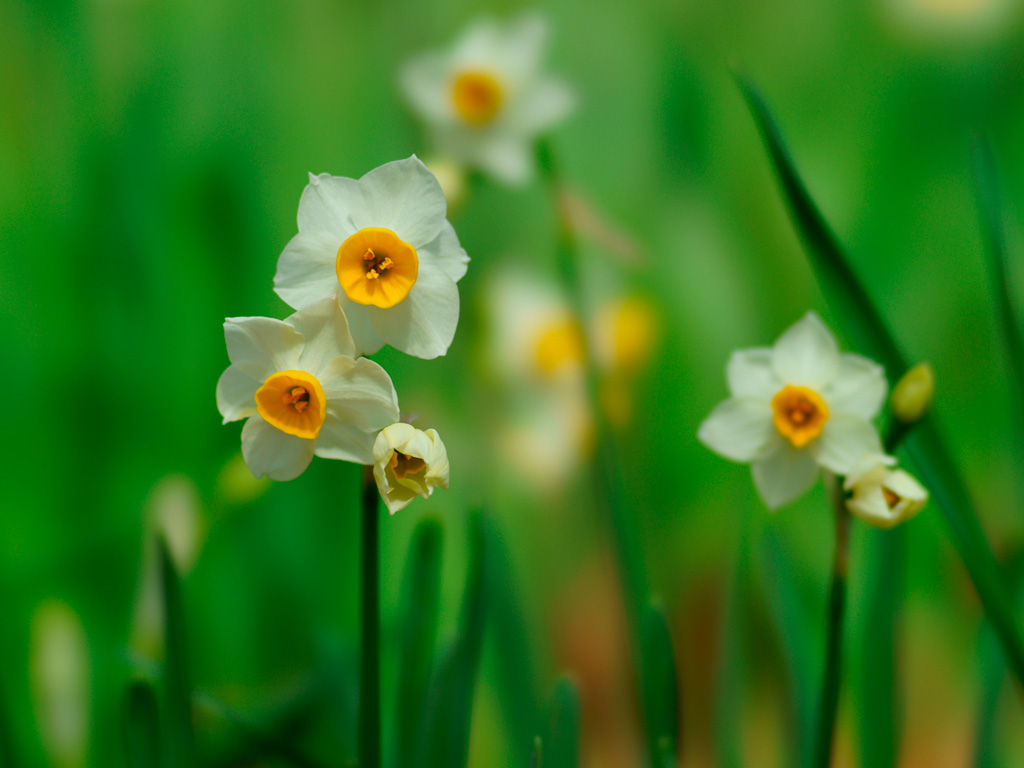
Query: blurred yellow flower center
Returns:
{"type": "Point", "coordinates": [800, 414]}
{"type": "Point", "coordinates": [477, 97]}
{"type": "Point", "coordinates": [557, 345]}
{"type": "Point", "coordinates": [403, 465]}
{"type": "Point", "coordinates": [294, 402]}
{"type": "Point", "coordinates": [375, 267]}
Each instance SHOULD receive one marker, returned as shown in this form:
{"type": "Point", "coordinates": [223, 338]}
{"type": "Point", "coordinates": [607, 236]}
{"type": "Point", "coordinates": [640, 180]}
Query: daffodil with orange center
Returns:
{"type": "Point", "coordinates": [382, 246]}
{"type": "Point", "coordinates": [303, 391]}
{"type": "Point", "coordinates": [486, 100]}
{"type": "Point", "coordinates": [797, 406]}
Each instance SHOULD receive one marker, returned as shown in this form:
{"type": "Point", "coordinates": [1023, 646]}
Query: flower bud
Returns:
{"type": "Point", "coordinates": [408, 463]}
{"type": "Point", "coordinates": [912, 396]}
{"type": "Point", "coordinates": [60, 683]}
{"type": "Point", "coordinates": [881, 496]}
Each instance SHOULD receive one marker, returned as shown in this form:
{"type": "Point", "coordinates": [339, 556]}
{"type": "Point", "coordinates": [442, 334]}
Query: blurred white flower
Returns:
{"type": "Point", "coordinates": [882, 496]}
{"type": "Point", "coordinates": [796, 406]}
{"type": "Point", "coordinates": [382, 246]}
{"type": "Point", "coordinates": [408, 462]}
{"type": "Point", "coordinates": [486, 99]}
{"type": "Point", "coordinates": [302, 390]}
{"type": "Point", "coordinates": [60, 683]}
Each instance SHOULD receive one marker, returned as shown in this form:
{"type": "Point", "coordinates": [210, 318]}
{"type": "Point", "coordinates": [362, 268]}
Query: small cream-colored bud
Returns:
{"type": "Point", "coordinates": [912, 396]}
{"type": "Point", "coordinates": [60, 683]}
{"type": "Point", "coordinates": [882, 496]}
{"type": "Point", "coordinates": [408, 462]}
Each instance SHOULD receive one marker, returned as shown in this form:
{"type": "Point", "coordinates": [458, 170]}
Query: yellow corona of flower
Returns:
{"type": "Point", "coordinates": [485, 100]}
{"type": "Point", "coordinates": [408, 462]}
{"type": "Point", "coordinates": [382, 246]}
{"type": "Point", "coordinates": [303, 391]}
{"type": "Point", "coordinates": [882, 496]}
{"type": "Point", "coordinates": [796, 406]}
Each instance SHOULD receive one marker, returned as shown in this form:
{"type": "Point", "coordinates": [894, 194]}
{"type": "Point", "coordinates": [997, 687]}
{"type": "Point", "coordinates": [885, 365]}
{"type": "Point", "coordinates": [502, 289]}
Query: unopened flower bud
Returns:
{"type": "Point", "coordinates": [881, 496]}
{"type": "Point", "coordinates": [912, 396]}
{"type": "Point", "coordinates": [408, 463]}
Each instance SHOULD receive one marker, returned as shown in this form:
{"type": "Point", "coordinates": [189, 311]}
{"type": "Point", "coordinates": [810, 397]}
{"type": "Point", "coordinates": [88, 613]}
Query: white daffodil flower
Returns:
{"type": "Point", "coordinates": [796, 406]}
{"type": "Point", "coordinates": [381, 245]}
{"type": "Point", "coordinates": [485, 100]}
{"type": "Point", "coordinates": [882, 496]}
{"type": "Point", "coordinates": [407, 463]}
{"type": "Point", "coordinates": [303, 391]}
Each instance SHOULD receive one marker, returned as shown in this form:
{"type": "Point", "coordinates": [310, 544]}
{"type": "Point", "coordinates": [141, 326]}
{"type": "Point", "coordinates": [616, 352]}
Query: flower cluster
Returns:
{"type": "Point", "coordinates": [374, 262]}
{"type": "Point", "coordinates": [799, 406]}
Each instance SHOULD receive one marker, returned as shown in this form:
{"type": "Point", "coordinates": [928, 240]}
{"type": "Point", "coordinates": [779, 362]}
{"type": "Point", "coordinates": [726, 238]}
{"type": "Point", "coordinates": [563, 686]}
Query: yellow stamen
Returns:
{"type": "Point", "coordinates": [403, 465]}
{"type": "Point", "coordinates": [294, 402]}
{"type": "Point", "coordinates": [375, 267]}
{"type": "Point", "coordinates": [477, 97]}
{"type": "Point", "coordinates": [799, 414]}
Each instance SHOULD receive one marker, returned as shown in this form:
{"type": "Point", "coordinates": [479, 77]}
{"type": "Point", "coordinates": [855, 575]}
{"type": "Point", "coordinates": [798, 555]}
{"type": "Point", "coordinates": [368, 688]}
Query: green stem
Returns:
{"type": "Point", "coordinates": [834, 648]}
{"type": "Point", "coordinates": [369, 671]}
{"type": "Point", "coordinates": [605, 467]}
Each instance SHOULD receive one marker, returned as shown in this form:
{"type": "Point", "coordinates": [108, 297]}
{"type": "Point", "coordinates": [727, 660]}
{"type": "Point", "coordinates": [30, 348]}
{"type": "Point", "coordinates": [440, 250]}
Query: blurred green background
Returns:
{"type": "Point", "coordinates": [152, 154]}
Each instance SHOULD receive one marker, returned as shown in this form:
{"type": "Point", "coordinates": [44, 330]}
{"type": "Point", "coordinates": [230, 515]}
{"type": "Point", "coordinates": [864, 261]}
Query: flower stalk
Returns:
{"type": "Point", "coordinates": [368, 722]}
{"type": "Point", "coordinates": [829, 703]}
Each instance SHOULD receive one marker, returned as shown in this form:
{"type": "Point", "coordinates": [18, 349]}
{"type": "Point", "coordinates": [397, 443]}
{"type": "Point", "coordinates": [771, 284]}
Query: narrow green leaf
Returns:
{"type": "Point", "coordinates": [8, 753]}
{"type": "Point", "coordinates": [991, 208]}
{"type": "Point", "coordinates": [794, 631]}
{"type": "Point", "coordinates": [731, 673]}
{"type": "Point", "coordinates": [879, 723]}
{"type": "Point", "coordinates": [660, 691]}
{"type": "Point", "coordinates": [925, 447]}
{"type": "Point", "coordinates": [180, 739]}
{"type": "Point", "coordinates": [563, 750]}
{"type": "Point", "coordinates": [418, 610]}
{"type": "Point", "coordinates": [450, 704]}
{"type": "Point", "coordinates": [142, 727]}
{"type": "Point", "coordinates": [993, 675]}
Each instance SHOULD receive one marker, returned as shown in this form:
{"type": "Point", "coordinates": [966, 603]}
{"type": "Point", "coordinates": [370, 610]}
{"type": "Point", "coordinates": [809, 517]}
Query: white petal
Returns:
{"type": "Point", "coordinates": [425, 81]}
{"type": "Point", "coordinates": [783, 475]}
{"type": "Point", "coordinates": [236, 394]}
{"type": "Point", "coordinates": [508, 157]}
{"type": "Point", "coordinates": [305, 269]}
{"type": "Point", "coordinates": [271, 452]}
{"type": "Point", "coordinates": [871, 507]}
{"type": "Point", "coordinates": [260, 346]}
{"type": "Point", "coordinates": [445, 252]}
{"type": "Point", "coordinates": [405, 197]}
{"type": "Point", "coordinates": [326, 206]}
{"type": "Point", "coordinates": [739, 429]}
{"type": "Point", "coordinates": [365, 337]}
{"type": "Point", "coordinates": [806, 353]}
{"type": "Point", "coordinates": [859, 387]}
{"type": "Point", "coordinates": [543, 104]}
{"type": "Point", "coordinates": [423, 324]}
{"type": "Point", "coordinates": [326, 330]}
{"type": "Point", "coordinates": [844, 441]}
{"type": "Point", "coordinates": [360, 392]}
{"type": "Point", "coordinates": [750, 374]}
{"type": "Point", "coordinates": [342, 440]}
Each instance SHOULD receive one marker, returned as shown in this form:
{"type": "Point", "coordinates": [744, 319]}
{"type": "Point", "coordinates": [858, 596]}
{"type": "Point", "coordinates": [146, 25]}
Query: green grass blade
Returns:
{"type": "Point", "coordinates": [794, 631]}
{"type": "Point", "coordinates": [930, 457]}
{"type": "Point", "coordinates": [450, 705]}
{"type": "Point", "coordinates": [142, 727]}
{"type": "Point", "coordinates": [563, 742]}
{"type": "Point", "coordinates": [879, 721]}
{"type": "Point", "coordinates": [180, 739]}
{"type": "Point", "coordinates": [992, 212]}
{"type": "Point", "coordinates": [660, 691]}
{"type": "Point", "coordinates": [421, 585]}
{"type": "Point", "coordinates": [732, 669]}
{"type": "Point", "coordinates": [993, 676]}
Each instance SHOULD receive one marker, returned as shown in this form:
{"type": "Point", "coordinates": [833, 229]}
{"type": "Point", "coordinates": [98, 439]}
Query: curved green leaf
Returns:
{"type": "Point", "coordinates": [418, 611]}
{"type": "Point", "coordinates": [177, 686]}
{"type": "Point", "coordinates": [861, 319]}
{"type": "Point", "coordinates": [660, 691]}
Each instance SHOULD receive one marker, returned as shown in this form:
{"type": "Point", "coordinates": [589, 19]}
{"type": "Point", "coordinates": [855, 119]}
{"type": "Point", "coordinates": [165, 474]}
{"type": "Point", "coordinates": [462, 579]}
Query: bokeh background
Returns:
{"type": "Point", "coordinates": [152, 154]}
